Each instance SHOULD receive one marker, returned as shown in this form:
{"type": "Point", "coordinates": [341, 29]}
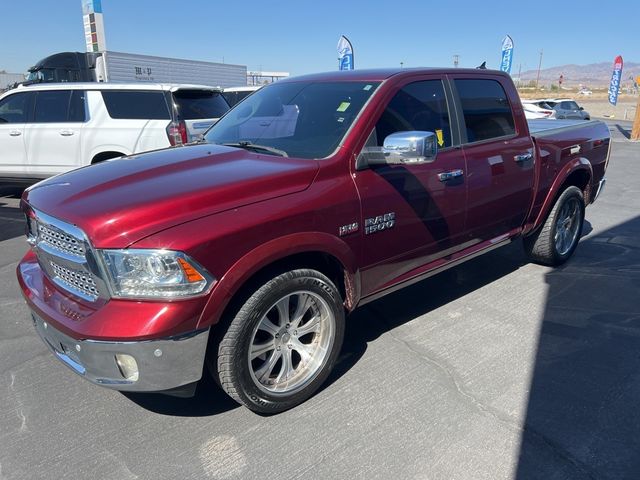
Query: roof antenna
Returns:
{"type": "Point", "coordinates": [483, 66]}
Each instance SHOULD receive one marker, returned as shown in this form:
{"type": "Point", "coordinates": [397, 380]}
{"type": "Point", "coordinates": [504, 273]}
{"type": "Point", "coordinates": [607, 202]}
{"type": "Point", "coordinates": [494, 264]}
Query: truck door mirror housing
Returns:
{"type": "Point", "coordinates": [402, 148]}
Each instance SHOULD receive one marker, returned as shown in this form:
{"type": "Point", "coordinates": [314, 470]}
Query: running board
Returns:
{"type": "Point", "coordinates": [492, 244]}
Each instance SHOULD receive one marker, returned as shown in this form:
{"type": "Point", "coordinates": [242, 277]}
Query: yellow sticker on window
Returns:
{"type": "Point", "coordinates": [343, 107]}
{"type": "Point", "coordinates": [440, 137]}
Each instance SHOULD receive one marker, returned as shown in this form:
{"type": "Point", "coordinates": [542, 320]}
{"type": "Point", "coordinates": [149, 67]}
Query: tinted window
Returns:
{"type": "Point", "coordinates": [52, 106]}
{"type": "Point", "coordinates": [304, 119]}
{"type": "Point", "coordinates": [76, 106]}
{"type": "Point", "coordinates": [15, 108]}
{"type": "Point", "coordinates": [486, 110]}
{"type": "Point", "coordinates": [235, 97]}
{"type": "Point", "coordinates": [138, 105]}
{"type": "Point", "coordinates": [569, 106]}
{"type": "Point", "coordinates": [418, 106]}
{"type": "Point", "coordinates": [196, 104]}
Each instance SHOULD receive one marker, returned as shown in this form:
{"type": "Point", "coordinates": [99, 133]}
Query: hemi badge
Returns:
{"type": "Point", "coordinates": [347, 229]}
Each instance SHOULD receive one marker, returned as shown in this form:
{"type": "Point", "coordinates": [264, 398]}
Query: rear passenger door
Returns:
{"type": "Point", "coordinates": [129, 121]}
{"type": "Point", "coordinates": [499, 156]}
{"type": "Point", "coordinates": [53, 134]}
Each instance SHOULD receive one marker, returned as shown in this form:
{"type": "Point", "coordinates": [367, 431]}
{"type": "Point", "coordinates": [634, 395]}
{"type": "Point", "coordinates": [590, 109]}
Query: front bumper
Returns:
{"type": "Point", "coordinates": [162, 364]}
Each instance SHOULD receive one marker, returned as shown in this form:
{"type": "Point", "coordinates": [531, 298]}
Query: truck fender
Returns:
{"type": "Point", "coordinates": [272, 251]}
{"type": "Point", "coordinates": [576, 164]}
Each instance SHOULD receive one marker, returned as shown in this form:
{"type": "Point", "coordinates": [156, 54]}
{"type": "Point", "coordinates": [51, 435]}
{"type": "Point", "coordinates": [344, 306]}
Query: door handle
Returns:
{"type": "Point", "coordinates": [66, 133]}
{"type": "Point", "coordinates": [444, 176]}
{"type": "Point", "coordinates": [15, 133]}
{"type": "Point", "coordinates": [523, 157]}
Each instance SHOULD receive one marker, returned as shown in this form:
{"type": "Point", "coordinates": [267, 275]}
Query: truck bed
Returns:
{"type": "Point", "coordinates": [544, 127]}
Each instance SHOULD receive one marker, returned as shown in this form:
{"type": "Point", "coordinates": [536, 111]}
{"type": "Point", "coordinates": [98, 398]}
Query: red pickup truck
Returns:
{"type": "Point", "coordinates": [242, 253]}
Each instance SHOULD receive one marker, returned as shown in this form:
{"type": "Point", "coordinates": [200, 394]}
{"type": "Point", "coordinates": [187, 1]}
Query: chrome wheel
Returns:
{"type": "Point", "coordinates": [567, 226]}
{"type": "Point", "coordinates": [291, 343]}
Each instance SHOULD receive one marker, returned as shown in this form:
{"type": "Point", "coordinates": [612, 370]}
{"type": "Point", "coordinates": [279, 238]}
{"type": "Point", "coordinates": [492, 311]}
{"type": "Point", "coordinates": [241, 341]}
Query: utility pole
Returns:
{"type": "Point", "coordinates": [456, 60]}
{"type": "Point", "coordinates": [539, 66]}
{"type": "Point", "coordinates": [519, 74]}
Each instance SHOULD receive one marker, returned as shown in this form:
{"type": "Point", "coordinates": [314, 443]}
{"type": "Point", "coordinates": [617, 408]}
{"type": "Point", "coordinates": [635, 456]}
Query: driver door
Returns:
{"type": "Point", "coordinates": [422, 214]}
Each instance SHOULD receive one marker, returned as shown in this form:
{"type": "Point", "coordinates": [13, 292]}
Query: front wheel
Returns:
{"type": "Point", "coordinates": [283, 343]}
{"type": "Point", "coordinates": [558, 238]}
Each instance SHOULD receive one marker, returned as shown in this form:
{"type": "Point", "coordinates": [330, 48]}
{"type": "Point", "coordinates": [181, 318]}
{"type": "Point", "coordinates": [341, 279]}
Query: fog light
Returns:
{"type": "Point", "coordinates": [127, 366]}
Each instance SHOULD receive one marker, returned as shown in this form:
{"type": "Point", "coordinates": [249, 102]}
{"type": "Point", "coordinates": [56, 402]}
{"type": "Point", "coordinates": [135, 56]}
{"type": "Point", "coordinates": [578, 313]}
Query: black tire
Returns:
{"type": "Point", "coordinates": [238, 374]}
{"type": "Point", "coordinates": [543, 246]}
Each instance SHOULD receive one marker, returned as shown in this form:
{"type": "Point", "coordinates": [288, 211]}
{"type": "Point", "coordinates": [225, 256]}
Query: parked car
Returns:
{"type": "Point", "coordinates": [233, 95]}
{"type": "Point", "coordinates": [534, 111]}
{"type": "Point", "coordinates": [47, 129]}
{"type": "Point", "coordinates": [585, 92]}
{"type": "Point", "coordinates": [565, 108]}
{"type": "Point", "coordinates": [241, 255]}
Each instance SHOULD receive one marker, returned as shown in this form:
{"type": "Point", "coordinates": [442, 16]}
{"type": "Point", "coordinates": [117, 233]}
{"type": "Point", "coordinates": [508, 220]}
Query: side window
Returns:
{"type": "Point", "coordinates": [15, 108]}
{"type": "Point", "coordinates": [136, 105]}
{"type": "Point", "coordinates": [486, 110]}
{"type": "Point", "coordinates": [52, 106]}
{"type": "Point", "coordinates": [77, 112]}
{"type": "Point", "coordinates": [417, 106]}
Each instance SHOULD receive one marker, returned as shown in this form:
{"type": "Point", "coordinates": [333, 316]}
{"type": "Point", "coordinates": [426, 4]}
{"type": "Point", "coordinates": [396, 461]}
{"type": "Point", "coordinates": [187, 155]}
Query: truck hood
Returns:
{"type": "Point", "coordinates": [121, 201]}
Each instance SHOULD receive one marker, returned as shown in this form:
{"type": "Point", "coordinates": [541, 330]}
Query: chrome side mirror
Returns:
{"type": "Point", "coordinates": [407, 148]}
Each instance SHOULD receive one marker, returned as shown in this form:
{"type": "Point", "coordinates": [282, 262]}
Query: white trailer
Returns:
{"type": "Point", "coordinates": [130, 67]}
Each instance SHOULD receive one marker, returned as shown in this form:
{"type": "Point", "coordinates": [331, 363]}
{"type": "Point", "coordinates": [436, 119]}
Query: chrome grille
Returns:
{"type": "Point", "coordinates": [66, 257]}
{"type": "Point", "coordinates": [75, 280]}
{"type": "Point", "coordinates": [60, 240]}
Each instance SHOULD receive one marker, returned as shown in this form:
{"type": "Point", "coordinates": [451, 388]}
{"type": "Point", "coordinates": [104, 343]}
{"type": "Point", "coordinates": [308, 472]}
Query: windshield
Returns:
{"type": "Point", "coordinates": [42, 75]}
{"type": "Point", "coordinates": [302, 119]}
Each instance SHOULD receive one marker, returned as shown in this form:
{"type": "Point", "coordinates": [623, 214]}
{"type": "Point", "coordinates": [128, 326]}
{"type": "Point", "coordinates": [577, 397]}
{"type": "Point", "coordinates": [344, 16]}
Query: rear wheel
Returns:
{"type": "Point", "coordinates": [555, 242]}
{"type": "Point", "coordinates": [283, 343]}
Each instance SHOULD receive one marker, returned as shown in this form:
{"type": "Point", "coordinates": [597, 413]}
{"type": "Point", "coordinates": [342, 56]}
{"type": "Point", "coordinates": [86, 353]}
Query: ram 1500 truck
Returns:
{"type": "Point", "coordinates": [240, 255]}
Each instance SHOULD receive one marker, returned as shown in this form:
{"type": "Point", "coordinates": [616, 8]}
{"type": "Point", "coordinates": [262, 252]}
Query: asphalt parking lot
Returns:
{"type": "Point", "coordinates": [497, 369]}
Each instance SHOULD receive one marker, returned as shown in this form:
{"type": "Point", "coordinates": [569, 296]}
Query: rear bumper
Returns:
{"type": "Point", "coordinates": [599, 189]}
{"type": "Point", "coordinates": [162, 364]}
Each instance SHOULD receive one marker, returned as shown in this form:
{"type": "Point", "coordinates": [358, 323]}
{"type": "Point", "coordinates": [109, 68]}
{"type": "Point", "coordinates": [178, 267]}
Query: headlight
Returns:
{"type": "Point", "coordinates": [142, 273]}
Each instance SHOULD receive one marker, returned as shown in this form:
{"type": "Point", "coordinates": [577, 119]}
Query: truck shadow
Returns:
{"type": "Point", "coordinates": [582, 418]}
{"type": "Point", "coordinates": [208, 400]}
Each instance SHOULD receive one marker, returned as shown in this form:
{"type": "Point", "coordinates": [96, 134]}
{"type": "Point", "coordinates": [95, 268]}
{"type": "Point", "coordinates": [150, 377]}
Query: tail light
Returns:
{"type": "Point", "coordinates": [177, 133]}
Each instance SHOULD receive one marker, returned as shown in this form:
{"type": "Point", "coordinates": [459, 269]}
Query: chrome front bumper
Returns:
{"type": "Point", "coordinates": [162, 364]}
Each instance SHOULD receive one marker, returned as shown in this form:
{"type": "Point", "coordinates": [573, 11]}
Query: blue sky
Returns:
{"type": "Point", "coordinates": [301, 37]}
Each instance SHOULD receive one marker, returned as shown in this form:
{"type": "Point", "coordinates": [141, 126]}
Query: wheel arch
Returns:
{"type": "Point", "coordinates": [578, 172]}
{"type": "Point", "coordinates": [320, 251]}
{"type": "Point", "coordinates": [106, 155]}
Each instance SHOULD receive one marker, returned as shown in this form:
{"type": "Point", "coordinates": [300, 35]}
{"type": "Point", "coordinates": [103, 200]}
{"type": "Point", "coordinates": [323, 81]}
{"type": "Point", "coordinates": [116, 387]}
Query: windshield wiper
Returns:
{"type": "Point", "coordinates": [256, 148]}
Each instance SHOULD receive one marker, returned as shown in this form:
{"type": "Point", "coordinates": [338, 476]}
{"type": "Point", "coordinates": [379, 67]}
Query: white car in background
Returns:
{"type": "Point", "coordinates": [565, 108]}
{"type": "Point", "coordinates": [533, 110]}
{"type": "Point", "coordinates": [50, 128]}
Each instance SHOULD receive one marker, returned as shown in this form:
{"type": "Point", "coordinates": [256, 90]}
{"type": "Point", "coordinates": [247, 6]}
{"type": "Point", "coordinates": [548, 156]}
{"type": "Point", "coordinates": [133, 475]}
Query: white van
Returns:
{"type": "Point", "coordinates": [48, 129]}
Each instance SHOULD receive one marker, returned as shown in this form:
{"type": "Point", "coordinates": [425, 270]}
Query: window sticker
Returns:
{"type": "Point", "coordinates": [367, 88]}
{"type": "Point", "coordinates": [440, 137]}
{"type": "Point", "coordinates": [343, 107]}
